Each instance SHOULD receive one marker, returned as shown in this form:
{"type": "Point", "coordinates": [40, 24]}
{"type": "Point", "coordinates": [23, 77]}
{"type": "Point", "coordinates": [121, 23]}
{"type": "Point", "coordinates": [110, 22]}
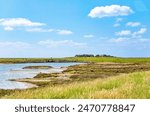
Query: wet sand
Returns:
{"type": "Point", "coordinates": [29, 81]}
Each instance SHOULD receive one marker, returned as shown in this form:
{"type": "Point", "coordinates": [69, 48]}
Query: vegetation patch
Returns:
{"type": "Point", "coordinates": [46, 75]}
{"type": "Point", "coordinates": [37, 67]}
{"type": "Point", "coordinates": [123, 86]}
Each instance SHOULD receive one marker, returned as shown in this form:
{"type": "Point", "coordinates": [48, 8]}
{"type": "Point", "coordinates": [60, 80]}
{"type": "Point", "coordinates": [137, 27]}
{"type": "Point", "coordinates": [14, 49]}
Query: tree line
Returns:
{"type": "Point", "coordinates": [92, 55]}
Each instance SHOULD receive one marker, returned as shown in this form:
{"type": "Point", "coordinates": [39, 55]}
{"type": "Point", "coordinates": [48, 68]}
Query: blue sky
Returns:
{"type": "Point", "coordinates": [61, 28]}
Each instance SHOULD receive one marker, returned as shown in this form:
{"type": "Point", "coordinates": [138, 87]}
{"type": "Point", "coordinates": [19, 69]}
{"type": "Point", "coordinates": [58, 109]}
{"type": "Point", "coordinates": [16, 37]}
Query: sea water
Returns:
{"type": "Point", "coordinates": [16, 71]}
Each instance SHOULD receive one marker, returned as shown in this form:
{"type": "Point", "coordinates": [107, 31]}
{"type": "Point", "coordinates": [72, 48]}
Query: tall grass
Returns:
{"type": "Point", "coordinates": [134, 85]}
{"type": "Point", "coordinates": [109, 59]}
{"type": "Point", "coordinates": [75, 59]}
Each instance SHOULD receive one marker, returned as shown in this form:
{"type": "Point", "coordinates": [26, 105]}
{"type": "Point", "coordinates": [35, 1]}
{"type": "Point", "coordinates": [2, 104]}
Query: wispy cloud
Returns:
{"type": "Point", "coordinates": [39, 30]}
{"type": "Point", "coordinates": [116, 25]}
{"type": "Point", "coordinates": [8, 28]}
{"type": "Point", "coordinates": [124, 33]}
{"type": "Point", "coordinates": [88, 36]}
{"type": "Point", "coordinates": [58, 31]}
{"type": "Point", "coordinates": [130, 40]}
{"type": "Point", "coordinates": [67, 43]}
{"type": "Point", "coordinates": [135, 34]}
{"type": "Point", "coordinates": [64, 32]}
{"type": "Point", "coordinates": [144, 40]}
{"type": "Point", "coordinates": [118, 40]}
{"type": "Point", "coordinates": [11, 23]}
{"type": "Point", "coordinates": [118, 21]}
{"type": "Point", "coordinates": [109, 11]}
{"type": "Point", "coordinates": [133, 24]}
{"type": "Point", "coordinates": [139, 33]}
{"type": "Point", "coordinates": [14, 44]}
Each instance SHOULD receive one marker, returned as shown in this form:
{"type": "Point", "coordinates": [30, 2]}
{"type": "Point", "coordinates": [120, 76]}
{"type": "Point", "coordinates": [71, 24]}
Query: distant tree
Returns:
{"type": "Point", "coordinates": [97, 55]}
{"type": "Point", "coordinates": [85, 55]}
{"type": "Point", "coordinates": [105, 55]}
{"type": "Point", "coordinates": [91, 55]}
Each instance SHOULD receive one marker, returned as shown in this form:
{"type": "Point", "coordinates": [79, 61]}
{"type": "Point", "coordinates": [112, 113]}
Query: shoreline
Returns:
{"type": "Point", "coordinates": [64, 73]}
{"type": "Point", "coordinates": [28, 86]}
{"type": "Point", "coordinates": [31, 82]}
{"type": "Point", "coordinates": [78, 81]}
{"type": "Point", "coordinates": [44, 62]}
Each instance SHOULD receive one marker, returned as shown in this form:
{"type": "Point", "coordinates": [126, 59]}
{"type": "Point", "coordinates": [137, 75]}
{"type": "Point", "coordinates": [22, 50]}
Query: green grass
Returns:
{"type": "Point", "coordinates": [109, 59]}
{"type": "Point", "coordinates": [75, 59]}
{"type": "Point", "coordinates": [25, 60]}
{"type": "Point", "coordinates": [134, 85]}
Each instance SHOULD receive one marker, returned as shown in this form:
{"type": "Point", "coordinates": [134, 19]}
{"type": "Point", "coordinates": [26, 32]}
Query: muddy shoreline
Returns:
{"type": "Point", "coordinates": [83, 72]}
{"type": "Point", "coordinates": [31, 82]}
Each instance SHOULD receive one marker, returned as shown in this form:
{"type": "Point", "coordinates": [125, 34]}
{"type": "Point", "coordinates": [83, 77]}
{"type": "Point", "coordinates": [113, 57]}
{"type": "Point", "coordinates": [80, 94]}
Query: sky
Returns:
{"type": "Point", "coordinates": [64, 28]}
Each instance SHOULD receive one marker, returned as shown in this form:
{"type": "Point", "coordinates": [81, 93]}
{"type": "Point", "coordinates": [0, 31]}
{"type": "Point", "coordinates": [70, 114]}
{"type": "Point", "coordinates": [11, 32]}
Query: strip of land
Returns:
{"type": "Point", "coordinates": [75, 59]}
{"type": "Point", "coordinates": [99, 78]}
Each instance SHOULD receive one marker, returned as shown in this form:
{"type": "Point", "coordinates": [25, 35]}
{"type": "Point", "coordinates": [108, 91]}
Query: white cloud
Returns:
{"type": "Point", "coordinates": [144, 40]}
{"type": "Point", "coordinates": [14, 44]}
{"type": "Point", "coordinates": [141, 31]}
{"type": "Point", "coordinates": [64, 32]}
{"type": "Point", "coordinates": [133, 24]}
{"type": "Point", "coordinates": [52, 43]}
{"type": "Point", "coordinates": [119, 20]}
{"type": "Point", "coordinates": [116, 25]}
{"type": "Point", "coordinates": [11, 23]}
{"type": "Point", "coordinates": [8, 28]}
{"type": "Point", "coordinates": [60, 32]}
{"type": "Point", "coordinates": [39, 30]}
{"type": "Point", "coordinates": [138, 34]}
{"type": "Point", "coordinates": [88, 36]}
{"type": "Point", "coordinates": [124, 33]}
{"type": "Point", "coordinates": [109, 11]}
{"type": "Point", "coordinates": [117, 40]}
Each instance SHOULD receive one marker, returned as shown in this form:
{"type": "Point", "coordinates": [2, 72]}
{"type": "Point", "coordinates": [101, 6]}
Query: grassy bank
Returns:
{"type": "Point", "coordinates": [101, 77]}
{"type": "Point", "coordinates": [108, 59]}
{"type": "Point", "coordinates": [134, 85]}
{"type": "Point", "coordinates": [26, 60]}
{"type": "Point", "coordinates": [75, 59]}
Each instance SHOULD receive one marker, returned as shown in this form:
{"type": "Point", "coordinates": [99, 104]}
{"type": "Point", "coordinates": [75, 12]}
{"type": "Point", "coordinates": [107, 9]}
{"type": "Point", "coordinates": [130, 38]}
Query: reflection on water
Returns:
{"type": "Point", "coordinates": [15, 71]}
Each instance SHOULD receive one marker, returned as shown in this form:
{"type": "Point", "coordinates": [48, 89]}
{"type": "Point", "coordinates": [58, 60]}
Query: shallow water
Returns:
{"type": "Point", "coordinates": [15, 71]}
